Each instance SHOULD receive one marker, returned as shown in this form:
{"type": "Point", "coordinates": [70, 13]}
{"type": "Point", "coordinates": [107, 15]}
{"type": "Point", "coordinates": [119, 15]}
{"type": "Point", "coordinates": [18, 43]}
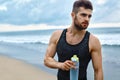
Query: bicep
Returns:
{"type": "Point", "coordinates": [51, 49]}
{"type": "Point", "coordinates": [96, 59]}
{"type": "Point", "coordinates": [96, 55]}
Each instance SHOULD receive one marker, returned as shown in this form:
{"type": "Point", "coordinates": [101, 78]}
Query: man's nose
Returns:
{"type": "Point", "coordinates": [87, 18]}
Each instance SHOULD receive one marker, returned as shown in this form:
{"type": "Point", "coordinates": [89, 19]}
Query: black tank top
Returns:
{"type": "Point", "coordinates": [65, 51]}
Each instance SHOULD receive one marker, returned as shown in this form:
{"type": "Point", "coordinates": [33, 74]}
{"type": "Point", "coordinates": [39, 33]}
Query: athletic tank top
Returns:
{"type": "Point", "coordinates": [65, 51]}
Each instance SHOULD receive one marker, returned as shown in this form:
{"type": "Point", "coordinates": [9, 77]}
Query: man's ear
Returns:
{"type": "Point", "coordinates": [73, 15]}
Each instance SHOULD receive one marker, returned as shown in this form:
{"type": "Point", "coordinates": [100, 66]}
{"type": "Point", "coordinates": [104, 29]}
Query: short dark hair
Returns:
{"type": "Point", "coordinates": [81, 3]}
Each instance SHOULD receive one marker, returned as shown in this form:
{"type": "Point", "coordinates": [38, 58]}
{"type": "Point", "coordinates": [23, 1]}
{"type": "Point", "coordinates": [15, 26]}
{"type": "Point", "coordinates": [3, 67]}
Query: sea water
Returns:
{"type": "Point", "coordinates": [30, 46]}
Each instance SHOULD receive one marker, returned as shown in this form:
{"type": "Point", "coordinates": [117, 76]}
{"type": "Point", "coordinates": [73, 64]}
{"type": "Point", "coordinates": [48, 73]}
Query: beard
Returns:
{"type": "Point", "coordinates": [80, 26]}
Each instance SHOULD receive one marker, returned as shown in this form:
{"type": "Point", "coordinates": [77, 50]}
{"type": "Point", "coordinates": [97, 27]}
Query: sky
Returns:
{"type": "Point", "coordinates": [54, 12]}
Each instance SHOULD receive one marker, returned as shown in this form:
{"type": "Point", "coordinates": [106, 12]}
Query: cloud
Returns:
{"type": "Point", "coordinates": [8, 27]}
{"type": "Point", "coordinates": [35, 13]}
{"type": "Point", "coordinates": [107, 12]}
{"type": "Point", "coordinates": [101, 2]}
{"type": "Point", "coordinates": [53, 12]}
{"type": "Point", "coordinates": [3, 8]}
{"type": "Point", "coordinates": [104, 25]}
{"type": "Point", "coordinates": [53, 1]}
{"type": "Point", "coordinates": [22, 1]}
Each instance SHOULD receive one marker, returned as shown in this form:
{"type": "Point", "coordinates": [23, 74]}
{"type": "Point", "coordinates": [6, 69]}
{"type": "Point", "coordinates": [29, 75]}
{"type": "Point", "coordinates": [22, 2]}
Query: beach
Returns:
{"type": "Point", "coordinates": [22, 54]}
{"type": "Point", "coordinates": [13, 69]}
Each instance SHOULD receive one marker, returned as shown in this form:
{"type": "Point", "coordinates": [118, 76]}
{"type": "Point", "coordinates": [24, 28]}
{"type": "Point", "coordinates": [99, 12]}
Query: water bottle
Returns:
{"type": "Point", "coordinates": [74, 72]}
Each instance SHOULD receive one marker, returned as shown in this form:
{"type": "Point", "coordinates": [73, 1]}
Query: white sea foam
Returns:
{"type": "Point", "coordinates": [106, 36]}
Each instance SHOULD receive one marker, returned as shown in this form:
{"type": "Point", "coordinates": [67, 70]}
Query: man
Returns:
{"type": "Point", "coordinates": [75, 40]}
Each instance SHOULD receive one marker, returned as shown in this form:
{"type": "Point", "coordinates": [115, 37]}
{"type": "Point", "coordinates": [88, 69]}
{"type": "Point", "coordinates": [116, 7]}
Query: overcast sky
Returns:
{"type": "Point", "coordinates": [54, 12]}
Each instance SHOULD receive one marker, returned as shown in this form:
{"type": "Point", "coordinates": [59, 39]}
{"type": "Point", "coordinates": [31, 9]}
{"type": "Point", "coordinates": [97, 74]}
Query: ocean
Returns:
{"type": "Point", "coordinates": [30, 46]}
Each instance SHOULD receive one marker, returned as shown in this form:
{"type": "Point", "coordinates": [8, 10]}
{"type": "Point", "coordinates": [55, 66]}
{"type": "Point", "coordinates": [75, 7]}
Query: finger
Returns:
{"type": "Point", "coordinates": [71, 64]}
{"type": "Point", "coordinates": [64, 66]}
{"type": "Point", "coordinates": [68, 64]}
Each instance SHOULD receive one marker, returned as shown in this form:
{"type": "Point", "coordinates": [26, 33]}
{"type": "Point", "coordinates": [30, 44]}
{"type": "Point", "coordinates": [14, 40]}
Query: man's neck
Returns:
{"type": "Point", "coordinates": [74, 31]}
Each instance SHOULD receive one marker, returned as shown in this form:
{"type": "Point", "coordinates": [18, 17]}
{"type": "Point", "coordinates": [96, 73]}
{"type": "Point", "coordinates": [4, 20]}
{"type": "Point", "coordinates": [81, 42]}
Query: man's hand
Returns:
{"type": "Point", "coordinates": [67, 65]}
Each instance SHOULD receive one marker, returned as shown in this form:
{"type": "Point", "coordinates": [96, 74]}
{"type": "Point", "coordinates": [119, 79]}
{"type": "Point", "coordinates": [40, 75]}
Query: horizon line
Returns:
{"type": "Point", "coordinates": [11, 27]}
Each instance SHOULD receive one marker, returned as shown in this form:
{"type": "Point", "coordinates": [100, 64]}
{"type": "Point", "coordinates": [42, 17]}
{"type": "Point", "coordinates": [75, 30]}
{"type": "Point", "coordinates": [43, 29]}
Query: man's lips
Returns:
{"type": "Point", "coordinates": [85, 23]}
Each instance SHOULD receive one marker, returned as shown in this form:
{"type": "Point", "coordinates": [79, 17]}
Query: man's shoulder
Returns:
{"type": "Point", "coordinates": [94, 40]}
{"type": "Point", "coordinates": [94, 43]}
{"type": "Point", "coordinates": [56, 35]}
{"type": "Point", "coordinates": [93, 37]}
{"type": "Point", "coordinates": [57, 32]}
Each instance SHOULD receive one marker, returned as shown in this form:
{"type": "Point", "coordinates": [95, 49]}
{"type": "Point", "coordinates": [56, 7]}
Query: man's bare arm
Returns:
{"type": "Point", "coordinates": [50, 53]}
{"type": "Point", "coordinates": [96, 58]}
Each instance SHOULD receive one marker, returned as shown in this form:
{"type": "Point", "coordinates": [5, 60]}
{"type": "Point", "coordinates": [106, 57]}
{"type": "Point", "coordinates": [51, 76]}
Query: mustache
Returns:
{"type": "Point", "coordinates": [86, 22]}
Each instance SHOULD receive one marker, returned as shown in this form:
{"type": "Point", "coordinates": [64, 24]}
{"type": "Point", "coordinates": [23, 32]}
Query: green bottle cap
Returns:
{"type": "Point", "coordinates": [75, 58]}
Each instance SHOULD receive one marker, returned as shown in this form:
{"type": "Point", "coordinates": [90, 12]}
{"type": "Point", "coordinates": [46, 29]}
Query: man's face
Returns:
{"type": "Point", "coordinates": [82, 18]}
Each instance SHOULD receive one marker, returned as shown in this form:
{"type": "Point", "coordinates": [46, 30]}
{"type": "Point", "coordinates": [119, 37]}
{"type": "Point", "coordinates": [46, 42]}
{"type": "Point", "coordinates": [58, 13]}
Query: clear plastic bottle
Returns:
{"type": "Point", "coordinates": [74, 72]}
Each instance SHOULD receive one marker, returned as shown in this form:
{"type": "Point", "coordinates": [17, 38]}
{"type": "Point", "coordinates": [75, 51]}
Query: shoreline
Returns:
{"type": "Point", "coordinates": [25, 62]}
{"type": "Point", "coordinates": [13, 69]}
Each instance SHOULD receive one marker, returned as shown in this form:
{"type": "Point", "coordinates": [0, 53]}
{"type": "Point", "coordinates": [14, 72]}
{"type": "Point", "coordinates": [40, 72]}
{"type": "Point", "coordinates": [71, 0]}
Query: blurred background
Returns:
{"type": "Point", "coordinates": [26, 26]}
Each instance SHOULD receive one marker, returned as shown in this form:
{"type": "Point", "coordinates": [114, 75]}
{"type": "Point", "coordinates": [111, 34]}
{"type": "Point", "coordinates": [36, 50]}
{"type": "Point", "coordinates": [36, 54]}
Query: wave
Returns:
{"type": "Point", "coordinates": [23, 42]}
{"type": "Point", "coordinates": [43, 36]}
{"type": "Point", "coordinates": [35, 43]}
{"type": "Point", "coordinates": [105, 40]}
{"type": "Point", "coordinates": [112, 45]}
{"type": "Point", "coordinates": [111, 60]}
{"type": "Point", "coordinates": [46, 42]}
{"type": "Point", "coordinates": [110, 42]}
{"type": "Point", "coordinates": [26, 39]}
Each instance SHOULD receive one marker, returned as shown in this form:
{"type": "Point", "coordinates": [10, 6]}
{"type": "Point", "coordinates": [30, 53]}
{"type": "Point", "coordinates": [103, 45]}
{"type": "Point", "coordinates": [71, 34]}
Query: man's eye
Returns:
{"type": "Point", "coordinates": [84, 15]}
{"type": "Point", "coordinates": [90, 16]}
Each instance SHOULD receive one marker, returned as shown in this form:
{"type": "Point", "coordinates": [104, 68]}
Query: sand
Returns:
{"type": "Point", "coordinates": [12, 69]}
